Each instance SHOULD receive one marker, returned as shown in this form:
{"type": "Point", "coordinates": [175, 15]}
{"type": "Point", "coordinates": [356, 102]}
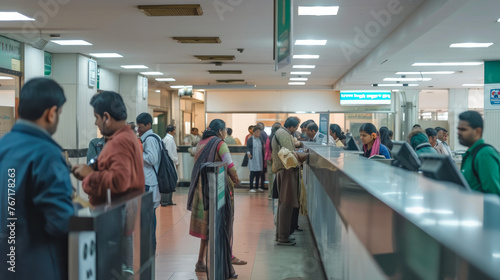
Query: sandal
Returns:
{"type": "Point", "coordinates": [200, 268]}
{"type": "Point", "coordinates": [237, 261]}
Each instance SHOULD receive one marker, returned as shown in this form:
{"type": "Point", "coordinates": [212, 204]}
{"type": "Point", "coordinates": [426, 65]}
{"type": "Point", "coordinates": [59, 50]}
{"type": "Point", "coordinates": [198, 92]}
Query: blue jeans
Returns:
{"type": "Point", "coordinates": [154, 223]}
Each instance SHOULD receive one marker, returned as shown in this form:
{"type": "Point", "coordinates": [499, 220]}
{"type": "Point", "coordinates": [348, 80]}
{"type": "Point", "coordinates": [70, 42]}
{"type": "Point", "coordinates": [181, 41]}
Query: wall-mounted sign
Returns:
{"type": "Point", "coordinates": [47, 64]}
{"type": "Point", "coordinates": [356, 97]}
{"type": "Point", "coordinates": [494, 97]}
{"type": "Point", "coordinates": [10, 54]}
{"type": "Point", "coordinates": [144, 88]}
{"type": "Point", "coordinates": [92, 73]}
{"type": "Point", "coordinates": [283, 13]}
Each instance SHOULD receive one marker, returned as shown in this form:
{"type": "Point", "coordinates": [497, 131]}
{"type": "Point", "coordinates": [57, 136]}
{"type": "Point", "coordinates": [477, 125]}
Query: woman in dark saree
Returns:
{"type": "Point", "coordinates": [212, 148]}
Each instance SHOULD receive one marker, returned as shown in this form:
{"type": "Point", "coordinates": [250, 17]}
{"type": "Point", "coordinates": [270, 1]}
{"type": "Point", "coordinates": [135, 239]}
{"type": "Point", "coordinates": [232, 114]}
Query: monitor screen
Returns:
{"type": "Point", "coordinates": [351, 144]}
{"type": "Point", "coordinates": [443, 168]}
{"type": "Point", "coordinates": [365, 97]}
{"type": "Point", "coordinates": [404, 156]}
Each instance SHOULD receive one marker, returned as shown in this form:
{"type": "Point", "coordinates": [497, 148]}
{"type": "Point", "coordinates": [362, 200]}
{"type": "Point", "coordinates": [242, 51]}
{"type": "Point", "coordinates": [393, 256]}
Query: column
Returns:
{"type": "Point", "coordinates": [134, 91]}
{"type": "Point", "coordinates": [33, 63]}
{"type": "Point", "coordinates": [458, 102]}
{"type": "Point", "coordinates": [77, 122]}
{"type": "Point", "coordinates": [408, 112]}
{"type": "Point", "coordinates": [491, 133]}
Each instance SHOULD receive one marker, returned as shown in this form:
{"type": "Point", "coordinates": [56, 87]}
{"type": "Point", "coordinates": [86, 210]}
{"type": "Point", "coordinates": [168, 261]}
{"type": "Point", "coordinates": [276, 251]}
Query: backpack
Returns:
{"type": "Point", "coordinates": [474, 153]}
{"type": "Point", "coordinates": [166, 174]}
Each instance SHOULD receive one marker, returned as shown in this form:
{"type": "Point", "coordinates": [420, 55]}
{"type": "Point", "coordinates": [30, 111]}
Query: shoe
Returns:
{"type": "Point", "coordinates": [286, 243]}
{"type": "Point", "coordinates": [260, 190]}
{"type": "Point", "coordinates": [289, 238]}
{"type": "Point", "coordinates": [237, 261]}
{"type": "Point", "coordinates": [252, 191]}
{"type": "Point", "coordinates": [200, 268]}
{"type": "Point", "coordinates": [299, 229]}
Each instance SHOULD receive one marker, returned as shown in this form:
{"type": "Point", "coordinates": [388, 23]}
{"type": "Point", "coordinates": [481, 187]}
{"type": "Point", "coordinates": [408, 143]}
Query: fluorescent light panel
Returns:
{"type": "Point", "coordinates": [296, 83]}
{"type": "Point", "coordinates": [134, 66]}
{"type": "Point", "coordinates": [158, 90]}
{"type": "Point", "coordinates": [165, 79]}
{"type": "Point", "coordinates": [106, 55]}
{"type": "Point", "coordinates": [5, 78]}
{"type": "Point", "coordinates": [300, 73]}
{"type": "Point", "coordinates": [396, 85]}
{"type": "Point", "coordinates": [471, 45]}
{"type": "Point", "coordinates": [407, 79]}
{"type": "Point", "coordinates": [447, 64]}
{"type": "Point", "coordinates": [473, 85]}
{"type": "Point", "coordinates": [306, 56]}
{"type": "Point", "coordinates": [181, 86]}
{"type": "Point", "coordinates": [305, 66]}
{"type": "Point", "coordinates": [298, 79]}
{"type": "Point", "coordinates": [152, 73]}
{"type": "Point", "coordinates": [71, 42]}
{"type": "Point", "coordinates": [427, 73]}
{"type": "Point", "coordinates": [318, 10]}
{"type": "Point", "coordinates": [310, 42]}
{"type": "Point", "coordinates": [14, 16]}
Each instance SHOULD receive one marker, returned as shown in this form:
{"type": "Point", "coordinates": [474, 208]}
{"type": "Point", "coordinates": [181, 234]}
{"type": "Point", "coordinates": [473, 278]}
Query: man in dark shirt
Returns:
{"type": "Point", "coordinates": [35, 192]}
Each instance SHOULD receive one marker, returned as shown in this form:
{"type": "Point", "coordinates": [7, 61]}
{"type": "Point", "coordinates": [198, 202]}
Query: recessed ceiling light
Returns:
{"type": "Point", "coordinates": [471, 45]}
{"type": "Point", "coordinates": [296, 83]}
{"type": "Point", "coordinates": [304, 66]}
{"type": "Point", "coordinates": [152, 73]}
{"type": "Point", "coordinates": [447, 64]}
{"type": "Point", "coordinates": [306, 56]}
{"type": "Point", "coordinates": [318, 10]}
{"type": "Point", "coordinates": [298, 79]}
{"type": "Point", "coordinates": [14, 16]}
{"type": "Point", "coordinates": [300, 73]}
{"type": "Point", "coordinates": [310, 42]}
{"type": "Point", "coordinates": [473, 85]}
{"type": "Point", "coordinates": [181, 86]}
{"type": "Point", "coordinates": [106, 55]}
{"type": "Point", "coordinates": [5, 78]}
{"type": "Point", "coordinates": [158, 90]}
{"type": "Point", "coordinates": [134, 66]}
{"type": "Point", "coordinates": [407, 79]}
{"type": "Point", "coordinates": [427, 73]}
{"type": "Point", "coordinates": [165, 79]}
{"type": "Point", "coordinates": [395, 85]}
{"type": "Point", "coordinates": [71, 42]}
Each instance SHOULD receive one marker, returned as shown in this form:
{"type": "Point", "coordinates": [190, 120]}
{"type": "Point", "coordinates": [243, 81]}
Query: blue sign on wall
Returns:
{"type": "Point", "coordinates": [494, 97]}
{"type": "Point", "coordinates": [365, 97]}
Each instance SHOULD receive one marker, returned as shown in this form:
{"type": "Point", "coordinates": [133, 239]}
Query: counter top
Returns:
{"type": "Point", "coordinates": [467, 223]}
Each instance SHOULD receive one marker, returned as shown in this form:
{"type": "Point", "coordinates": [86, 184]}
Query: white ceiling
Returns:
{"type": "Point", "coordinates": [421, 32]}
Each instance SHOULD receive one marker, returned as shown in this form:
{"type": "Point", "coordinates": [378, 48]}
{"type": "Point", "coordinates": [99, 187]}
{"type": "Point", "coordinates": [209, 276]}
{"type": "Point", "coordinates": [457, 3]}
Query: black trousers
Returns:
{"type": "Point", "coordinates": [295, 220]}
{"type": "Point", "coordinates": [256, 175]}
{"type": "Point", "coordinates": [263, 177]}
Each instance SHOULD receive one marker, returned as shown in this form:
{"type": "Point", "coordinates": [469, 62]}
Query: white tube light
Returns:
{"type": "Point", "coordinates": [300, 73]}
{"type": "Point", "coordinates": [106, 55]}
{"type": "Point", "coordinates": [296, 83]}
{"type": "Point", "coordinates": [318, 10]}
{"type": "Point", "coordinates": [304, 66]}
{"type": "Point", "coordinates": [427, 73]}
{"type": "Point", "coordinates": [71, 42]}
{"type": "Point", "coordinates": [471, 45]}
{"type": "Point", "coordinates": [306, 56]}
{"type": "Point", "coordinates": [14, 16]}
{"type": "Point", "coordinates": [134, 66]}
{"type": "Point", "coordinates": [298, 79]}
{"type": "Point", "coordinates": [152, 73]}
{"type": "Point", "coordinates": [447, 64]}
{"type": "Point", "coordinates": [310, 42]}
{"type": "Point", "coordinates": [165, 79]}
{"type": "Point", "coordinates": [407, 79]}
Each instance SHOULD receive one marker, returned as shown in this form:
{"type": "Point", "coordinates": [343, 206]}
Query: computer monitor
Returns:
{"type": "Point", "coordinates": [351, 144]}
{"type": "Point", "coordinates": [443, 168]}
{"type": "Point", "coordinates": [404, 156]}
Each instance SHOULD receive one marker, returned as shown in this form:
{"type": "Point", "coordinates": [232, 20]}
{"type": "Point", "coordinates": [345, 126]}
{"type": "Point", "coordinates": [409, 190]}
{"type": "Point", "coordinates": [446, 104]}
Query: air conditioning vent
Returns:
{"type": "Point", "coordinates": [215, 57]}
{"type": "Point", "coordinates": [171, 10]}
{"type": "Point", "coordinates": [230, 81]}
{"type": "Point", "coordinates": [225, 71]}
{"type": "Point", "coordinates": [198, 40]}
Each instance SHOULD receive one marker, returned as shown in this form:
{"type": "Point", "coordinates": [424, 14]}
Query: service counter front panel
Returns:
{"type": "Point", "coordinates": [371, 220]}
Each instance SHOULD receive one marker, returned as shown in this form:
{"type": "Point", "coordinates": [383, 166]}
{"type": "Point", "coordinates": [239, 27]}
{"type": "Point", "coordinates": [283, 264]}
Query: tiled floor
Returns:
{"type": "Point", "coordinates": [253, 242]}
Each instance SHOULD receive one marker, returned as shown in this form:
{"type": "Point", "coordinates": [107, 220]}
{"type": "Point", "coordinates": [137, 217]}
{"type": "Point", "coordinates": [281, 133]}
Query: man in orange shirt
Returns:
{"type": "Point", "coordinates": [119, 166]}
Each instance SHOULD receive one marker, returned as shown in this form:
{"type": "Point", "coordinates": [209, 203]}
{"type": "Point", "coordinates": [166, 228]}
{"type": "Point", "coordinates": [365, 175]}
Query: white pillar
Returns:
{"type": "Point", "coordinates": [33, 63]}
{"type": "Point", "coordinates": [458, 102]}
{"type": "Point", "coordinates": [133, 89]}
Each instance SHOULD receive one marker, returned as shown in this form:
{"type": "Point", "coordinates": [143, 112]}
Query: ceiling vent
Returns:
{"type": "Point", "coordinates": [225, 71]}
{"type": "Point", "coordinates": [230, 81]}
{"type": "Point", "coordinates": [198, 40]}
{"type": "Point", "coordinates": [171, 10]}
{"type": "Point", "coordinates": [214, 57]}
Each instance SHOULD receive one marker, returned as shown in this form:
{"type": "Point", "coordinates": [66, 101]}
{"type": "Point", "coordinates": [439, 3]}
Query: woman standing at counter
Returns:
{"type": "Point", "coordinates": [371, 141]}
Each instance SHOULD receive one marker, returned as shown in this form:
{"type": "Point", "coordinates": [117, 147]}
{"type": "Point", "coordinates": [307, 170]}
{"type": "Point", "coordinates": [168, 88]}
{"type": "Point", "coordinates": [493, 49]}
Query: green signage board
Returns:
{"type": "Point", "coordinates": [283, 33]}
{"type": "Point", "coordinates": [10, 54]}
{"type": "Point", "coordinates": [47, 63]}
